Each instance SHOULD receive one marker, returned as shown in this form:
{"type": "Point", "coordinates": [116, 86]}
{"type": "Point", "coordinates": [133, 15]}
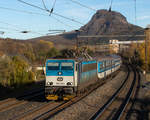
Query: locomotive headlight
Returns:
{"type": "Point", "coordinates": [69, 83]}
{"type": "Point", "coordinates": [59, 73]}
{"type": "Point", "coordinates": [49, 83]}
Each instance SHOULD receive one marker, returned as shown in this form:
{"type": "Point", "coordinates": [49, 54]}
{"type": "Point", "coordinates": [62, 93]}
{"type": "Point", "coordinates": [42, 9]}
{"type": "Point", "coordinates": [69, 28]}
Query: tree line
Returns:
{"type": "Point", "coordinates": [17, 60]}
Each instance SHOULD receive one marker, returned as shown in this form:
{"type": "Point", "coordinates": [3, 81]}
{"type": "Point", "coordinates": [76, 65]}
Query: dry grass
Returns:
{"type": "Point", "coordinates": [148, 77]}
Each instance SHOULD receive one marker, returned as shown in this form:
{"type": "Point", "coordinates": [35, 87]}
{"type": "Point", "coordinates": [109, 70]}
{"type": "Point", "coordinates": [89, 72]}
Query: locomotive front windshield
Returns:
{"type": "Point", "coordinates": [66, 66]}
{"type": "Point", "coordinates": [53, 66]}
{"type": "Point", "coordinates": [60, 66]}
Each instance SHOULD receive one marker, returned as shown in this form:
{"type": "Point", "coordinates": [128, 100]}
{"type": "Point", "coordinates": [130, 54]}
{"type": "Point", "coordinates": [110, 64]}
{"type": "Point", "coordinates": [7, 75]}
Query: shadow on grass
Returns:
{"type": "Point", "coordinates": [29, 92]}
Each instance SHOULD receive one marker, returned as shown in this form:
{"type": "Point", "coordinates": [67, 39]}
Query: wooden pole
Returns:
{"type": "Point", "coordinates": [147, 40]}
{"type": "Point", "coordinates": [77, 43]}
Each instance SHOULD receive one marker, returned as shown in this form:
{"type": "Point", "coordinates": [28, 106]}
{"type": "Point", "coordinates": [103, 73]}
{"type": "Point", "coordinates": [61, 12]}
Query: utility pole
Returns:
{"type": "Point", "coordinates": [77, 43]}
{"type": "Point", "coordinates": [147, 40]}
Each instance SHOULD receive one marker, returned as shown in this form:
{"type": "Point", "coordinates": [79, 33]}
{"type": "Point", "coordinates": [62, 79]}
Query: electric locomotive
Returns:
{"type": "Point", "coordinates": [61, 80]}
{"type": "Point", "coordinates": [65, 78]}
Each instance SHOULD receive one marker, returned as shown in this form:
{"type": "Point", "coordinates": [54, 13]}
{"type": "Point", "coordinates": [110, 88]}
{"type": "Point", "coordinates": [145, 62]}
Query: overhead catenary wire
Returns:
{"type": "Point", "coordinates": [135, 9]}
{"type": "Point", "coordinates": [12, 29]}
{"type": "Point", "coordinates": [15, 26]}
{"type": "Point", "coordinates": [68, 18]}
{"type": "Point", "coordinates": [18, 29]}
{"type": "Point", "coordinates": [70, 26]}
{"type": "Point", "coordinates": [35, 13]}
{"type": "Point", "coordinates": [44, 4]}
{"type": "Point", "coordinates": [57, 30]}
{"type": "Point", "coordinates": [26, 31]}
{"type": "Point", "coordinates": [110, 6]}
{"type": "Point", "coordinates": [54, 4]}
{"type": "Point", "coordinates": [52, 9]}
{"type": "Point", "coordinates": [21, 11]}
{"type": "Point", "coordinates": [9, 29]}
{"type": "Point", "coordinates": [76, 2]}
{"type": "Point", "coordinates": [51, 12]}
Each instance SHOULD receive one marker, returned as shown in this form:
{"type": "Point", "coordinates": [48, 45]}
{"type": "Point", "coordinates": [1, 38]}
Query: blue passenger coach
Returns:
{"type": "Point", "coordinates": [108, 65]}
{"type": "Point", "coordinates": [87, 74]}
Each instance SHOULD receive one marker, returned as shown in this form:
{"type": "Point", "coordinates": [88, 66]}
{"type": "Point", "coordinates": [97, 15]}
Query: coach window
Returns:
{"type": "Point", "coordinates": [66, 66]}
{"type": "Point", "coordinates": [53, 66]}
{"type": "Point", "coordinates": [104, 64]}
{"type": "Point", "coordinates": [101, 66]}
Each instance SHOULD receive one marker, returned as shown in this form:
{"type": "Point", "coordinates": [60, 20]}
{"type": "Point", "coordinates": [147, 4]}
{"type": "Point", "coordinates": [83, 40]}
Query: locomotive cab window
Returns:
{"type": "Point", "coordinates": [66, 66]}
{"type": "Point", "coordinates": [53, 66]}
{"type": "Point", "coordinates": [102, 66]}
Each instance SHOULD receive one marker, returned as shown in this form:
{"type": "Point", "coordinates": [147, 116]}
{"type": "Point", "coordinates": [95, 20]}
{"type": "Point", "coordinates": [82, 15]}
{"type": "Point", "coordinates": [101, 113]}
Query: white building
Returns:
{"type": "Point", "coordinates": [116, 45]}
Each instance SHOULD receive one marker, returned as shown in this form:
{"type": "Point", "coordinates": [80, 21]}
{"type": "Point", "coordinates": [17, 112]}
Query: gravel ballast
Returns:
{"type": "Point", "coordinates": [83, 109]}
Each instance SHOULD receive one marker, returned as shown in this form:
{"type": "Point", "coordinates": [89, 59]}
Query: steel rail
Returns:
{"type": "Point", "coordinates": [50, 113]}
{"type": "Point", "coordinates": [36, 111]}
{"type": "Point", "coordinates": [122, 107]}
{"type": "Point", "coordinates": [106, 105]}
{"type": "Point", "coordinates": [16, 102]}
{"type": "Point", "coordinates": [127, 117]}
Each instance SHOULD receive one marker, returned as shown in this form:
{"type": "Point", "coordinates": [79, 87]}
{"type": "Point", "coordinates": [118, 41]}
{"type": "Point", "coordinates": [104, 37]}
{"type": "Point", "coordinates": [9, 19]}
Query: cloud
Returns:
{"type": "Point", "coordinates": [143, 17]}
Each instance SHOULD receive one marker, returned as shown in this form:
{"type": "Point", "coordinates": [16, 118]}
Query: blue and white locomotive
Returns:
{"type": "Point", "coordinates": [61, 78]}
{"type": "Point", "coordinates": [65, 78]}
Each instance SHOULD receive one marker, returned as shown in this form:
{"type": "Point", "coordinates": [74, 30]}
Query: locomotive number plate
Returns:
{"type": "Point", "coordinates": [59, 79]}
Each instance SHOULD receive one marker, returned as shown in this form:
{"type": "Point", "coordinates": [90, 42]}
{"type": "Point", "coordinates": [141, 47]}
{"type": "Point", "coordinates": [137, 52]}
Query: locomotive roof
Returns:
{"type": "Point", "coordinates": [108, 57]}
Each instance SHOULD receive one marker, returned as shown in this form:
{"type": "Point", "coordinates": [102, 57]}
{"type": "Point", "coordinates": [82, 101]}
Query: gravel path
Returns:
{"type": "Point", "coordinates": [86, 107]}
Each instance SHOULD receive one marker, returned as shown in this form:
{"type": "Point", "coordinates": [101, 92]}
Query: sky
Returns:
{"type": "Point", "coordinates": [20, 17]}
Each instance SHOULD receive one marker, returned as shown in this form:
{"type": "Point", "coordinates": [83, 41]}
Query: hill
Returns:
{"type": "Point", "coordinates": [111, 23]}
{"type": "Point", "coordinates": [103, 22]}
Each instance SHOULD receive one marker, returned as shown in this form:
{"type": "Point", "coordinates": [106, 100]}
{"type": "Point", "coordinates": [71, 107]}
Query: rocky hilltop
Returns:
{"type": "Point", "coordinates": [106, 22]}
{"type": "Point", "coordinates": [103, 22]}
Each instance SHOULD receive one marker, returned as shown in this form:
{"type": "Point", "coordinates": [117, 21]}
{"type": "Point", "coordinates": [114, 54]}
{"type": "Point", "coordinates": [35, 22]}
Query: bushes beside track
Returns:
{"type": "Point", "coordinates": [15, 72]}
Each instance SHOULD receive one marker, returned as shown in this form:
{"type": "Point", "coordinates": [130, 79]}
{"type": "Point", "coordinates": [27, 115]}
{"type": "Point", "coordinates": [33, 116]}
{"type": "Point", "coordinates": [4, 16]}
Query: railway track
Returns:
{"type": "Point", "coordinates": [50, 109]}
{"type": "Point", "coordinates": [14, 102]}
{"type": "Point", "coordinates": [117, 106]}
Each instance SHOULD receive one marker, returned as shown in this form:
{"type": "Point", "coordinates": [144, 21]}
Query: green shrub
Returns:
{"type": "Point", "coordinates": [15, 72]}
